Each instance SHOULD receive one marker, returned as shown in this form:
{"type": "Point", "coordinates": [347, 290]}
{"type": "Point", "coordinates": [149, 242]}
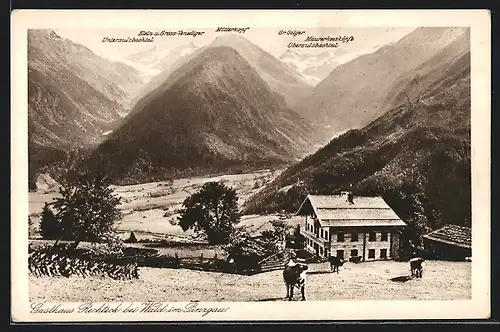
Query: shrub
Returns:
{"type": "Point", "coordinates": [50, 227]}
{"type": "Point", "coordinates": [131, 238]}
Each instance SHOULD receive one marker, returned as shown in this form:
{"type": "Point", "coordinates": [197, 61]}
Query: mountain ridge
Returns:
{"type": "Point", "coordinates": [355, 93]}
{"type": "Point", "coordinates": [215, 113]}
{"type": "Point", "coordinates": [71, 98]}
{"type": "Point", "coordinates": [280, 77]}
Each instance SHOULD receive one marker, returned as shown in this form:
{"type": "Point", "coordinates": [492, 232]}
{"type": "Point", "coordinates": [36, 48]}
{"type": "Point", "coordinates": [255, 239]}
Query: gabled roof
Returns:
{"type": "Point", "coordinates": [452, 234]}
{"type": "Point", "coordinates": [335, 210]}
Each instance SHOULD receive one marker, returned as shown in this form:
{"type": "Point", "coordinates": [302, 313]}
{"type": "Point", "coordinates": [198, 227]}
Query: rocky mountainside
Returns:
{"type": "Point", "coordinates": [359, 91]}
{"type": "Point", "coordinates": [315, 67]}
{"type": "Point", "coordinates": [214, 114]}
{"type": "Point", "coordinates": [74, 96]}
{"type": "Point", "coordinates": [116, 80]}
{"type": "Point", "coordinates": [280, 78]}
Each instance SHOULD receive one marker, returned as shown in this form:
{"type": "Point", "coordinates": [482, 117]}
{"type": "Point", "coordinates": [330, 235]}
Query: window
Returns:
{"type": "Point", "coordinates": [340, 253]}
{"type": "Point", "coordinates": [354, 253]}
{"type": "Point", "coordinates": [326, 235]}
{"type": "Point", "coordinates": [372, 237]}
{"type": "Point", "coordinates": [383, 253]}
{"type": "Point", "coordinates": [371, 253]}
{"type": "Point", "coordinates": [354, 237]}
{"type": "Point", "coordinates": [340, 237]}
{"type": "Point", "coordinates": [321, 250]}
{"type": "Point", "coordinates": [322, 232]}
{"type": "Point", "coordinates": [384, 236]}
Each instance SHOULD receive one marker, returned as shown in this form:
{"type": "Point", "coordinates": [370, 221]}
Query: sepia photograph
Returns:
{"type": "Point", "coordinates": [227, 163]}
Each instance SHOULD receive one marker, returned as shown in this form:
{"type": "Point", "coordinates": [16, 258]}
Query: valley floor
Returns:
{"type": "Point", "coordinates": [150, 210]}
{"type": "Point", "coordinates": [364, 281]}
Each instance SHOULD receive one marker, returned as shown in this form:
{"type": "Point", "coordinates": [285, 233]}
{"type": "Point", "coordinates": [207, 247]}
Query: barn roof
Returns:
{"type": "Point", "coordinates": [452, 234]}
{"type": "Point", "coordinates": [335, 210]}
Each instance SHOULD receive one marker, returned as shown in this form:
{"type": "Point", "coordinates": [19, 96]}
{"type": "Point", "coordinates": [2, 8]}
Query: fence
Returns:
{"type": "Point", "coordinates": [58, 264]}
{"type": "Point", "coordinates": [214, 264]}
{"type": "Point", "coordinates": [274, 262]}
{"type": "Point", "coordinates": [63, 262]}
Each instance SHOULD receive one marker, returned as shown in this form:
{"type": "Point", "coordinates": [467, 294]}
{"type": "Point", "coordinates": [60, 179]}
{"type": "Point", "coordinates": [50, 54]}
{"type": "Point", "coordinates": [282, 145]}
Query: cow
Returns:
{"type": "Point", "coordinates": [416, 267]}
{"type": "Point", "coordinates": [468, 259]}
{"type": "Point", "coordinates": [335, 263]}
{"type": "Point", "coordinates": [295, 276]}
{"type": "Point", "coordinates": [355, 259]}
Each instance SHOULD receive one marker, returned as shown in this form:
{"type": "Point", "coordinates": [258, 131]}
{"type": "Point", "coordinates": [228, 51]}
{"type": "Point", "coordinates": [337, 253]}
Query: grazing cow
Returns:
{"type": "Point", "coordinates": [416, 267]}
{"type": "Point", "coordinates": [335, 263]}
{"type": "Point", "coordinates": [295, 276]}
{"type": "Point", "coordinates": [355, 259]}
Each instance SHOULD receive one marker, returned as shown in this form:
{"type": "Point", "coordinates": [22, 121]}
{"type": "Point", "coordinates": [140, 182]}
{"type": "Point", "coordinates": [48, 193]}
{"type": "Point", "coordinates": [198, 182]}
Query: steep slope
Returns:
{"type": "Point", "coordinates": [214, 114]}
{"type": "Point", "coordinates": [66, 115]}
{"type": "Point", "coordinates": [315, 67]}
{"type": "Point", "coordinates": [416, 156]}
{"type": "Point", "coordinates": [116, 80]}
{"type": "Point", "coordinates": [280, 78]}
{"type": "Point", "coordinates": [73, 97]}
{"type": "Point", "coordinates": [73, 94]}
{"type": "Point", "coordinates": [356, 93]}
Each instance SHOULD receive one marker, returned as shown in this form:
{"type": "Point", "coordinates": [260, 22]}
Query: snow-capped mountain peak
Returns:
{"type": "Point", "coordinates": [154, 60]}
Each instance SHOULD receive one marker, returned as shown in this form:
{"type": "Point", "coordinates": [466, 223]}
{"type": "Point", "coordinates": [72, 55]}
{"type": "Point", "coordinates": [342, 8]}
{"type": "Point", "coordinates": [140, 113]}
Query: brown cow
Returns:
{"type": "Point", "coordinates": [416, 267]}
{"type": "Point", "coordinates": [335, 263]}
{"type": "Point", "coordinates": [295, 276]}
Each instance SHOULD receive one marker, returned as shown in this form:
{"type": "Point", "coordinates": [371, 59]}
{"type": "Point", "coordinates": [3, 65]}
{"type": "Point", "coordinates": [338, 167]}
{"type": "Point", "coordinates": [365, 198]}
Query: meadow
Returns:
{"type": "Point", "coordinates": [442, 280]}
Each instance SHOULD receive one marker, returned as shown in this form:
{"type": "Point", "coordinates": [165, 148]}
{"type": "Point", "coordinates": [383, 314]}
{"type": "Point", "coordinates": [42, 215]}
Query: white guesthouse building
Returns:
{"type": "Point", "coordinates": [344, 226]}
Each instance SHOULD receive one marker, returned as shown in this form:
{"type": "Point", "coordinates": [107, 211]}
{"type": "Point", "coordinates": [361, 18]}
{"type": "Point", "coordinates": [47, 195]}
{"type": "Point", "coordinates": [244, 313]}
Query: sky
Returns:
{"type": "Point", "coordinates": [365, 39]}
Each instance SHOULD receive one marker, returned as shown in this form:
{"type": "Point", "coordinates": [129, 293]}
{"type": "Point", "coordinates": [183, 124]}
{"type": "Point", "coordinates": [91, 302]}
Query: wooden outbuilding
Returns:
{"type": "Point", "coordinates": [451, 242]}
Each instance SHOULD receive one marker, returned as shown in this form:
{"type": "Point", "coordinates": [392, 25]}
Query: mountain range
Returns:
{"type": "Point", "coordinates": [315, 67]}
{"type": "Point", "coordinates": [74, 96]}
{"type": "Point", "coordinates": [417, 155]}
{"type": "Point", "coordinates": [357, 92]}
{"type": "Point", "coordinates": [280, 78]}
{"type": "Point", "coordinates": [156, 59]}
{"type": "Point", "coordinates": [232, 107]}
{"type": "Point", "coordinates": [213, 114]}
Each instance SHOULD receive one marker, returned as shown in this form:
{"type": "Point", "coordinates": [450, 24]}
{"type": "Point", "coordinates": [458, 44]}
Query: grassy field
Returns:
{"type": "Point", "coordinates": [150, 209]}
{"type": "Point", "coordinates": [365, 281]}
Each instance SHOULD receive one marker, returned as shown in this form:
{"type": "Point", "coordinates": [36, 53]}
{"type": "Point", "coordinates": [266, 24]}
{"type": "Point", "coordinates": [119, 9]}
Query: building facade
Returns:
{"type": "Point", "coordinates": [362, 228]}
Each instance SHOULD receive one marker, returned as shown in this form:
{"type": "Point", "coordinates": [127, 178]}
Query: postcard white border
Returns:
{"type": "Point", "coordinates": [479, 22]}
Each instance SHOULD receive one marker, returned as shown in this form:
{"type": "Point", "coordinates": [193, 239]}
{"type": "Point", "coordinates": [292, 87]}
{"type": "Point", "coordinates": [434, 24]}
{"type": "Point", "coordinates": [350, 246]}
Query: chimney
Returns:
{"type": "Point", "coordinates": [349, 196]}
